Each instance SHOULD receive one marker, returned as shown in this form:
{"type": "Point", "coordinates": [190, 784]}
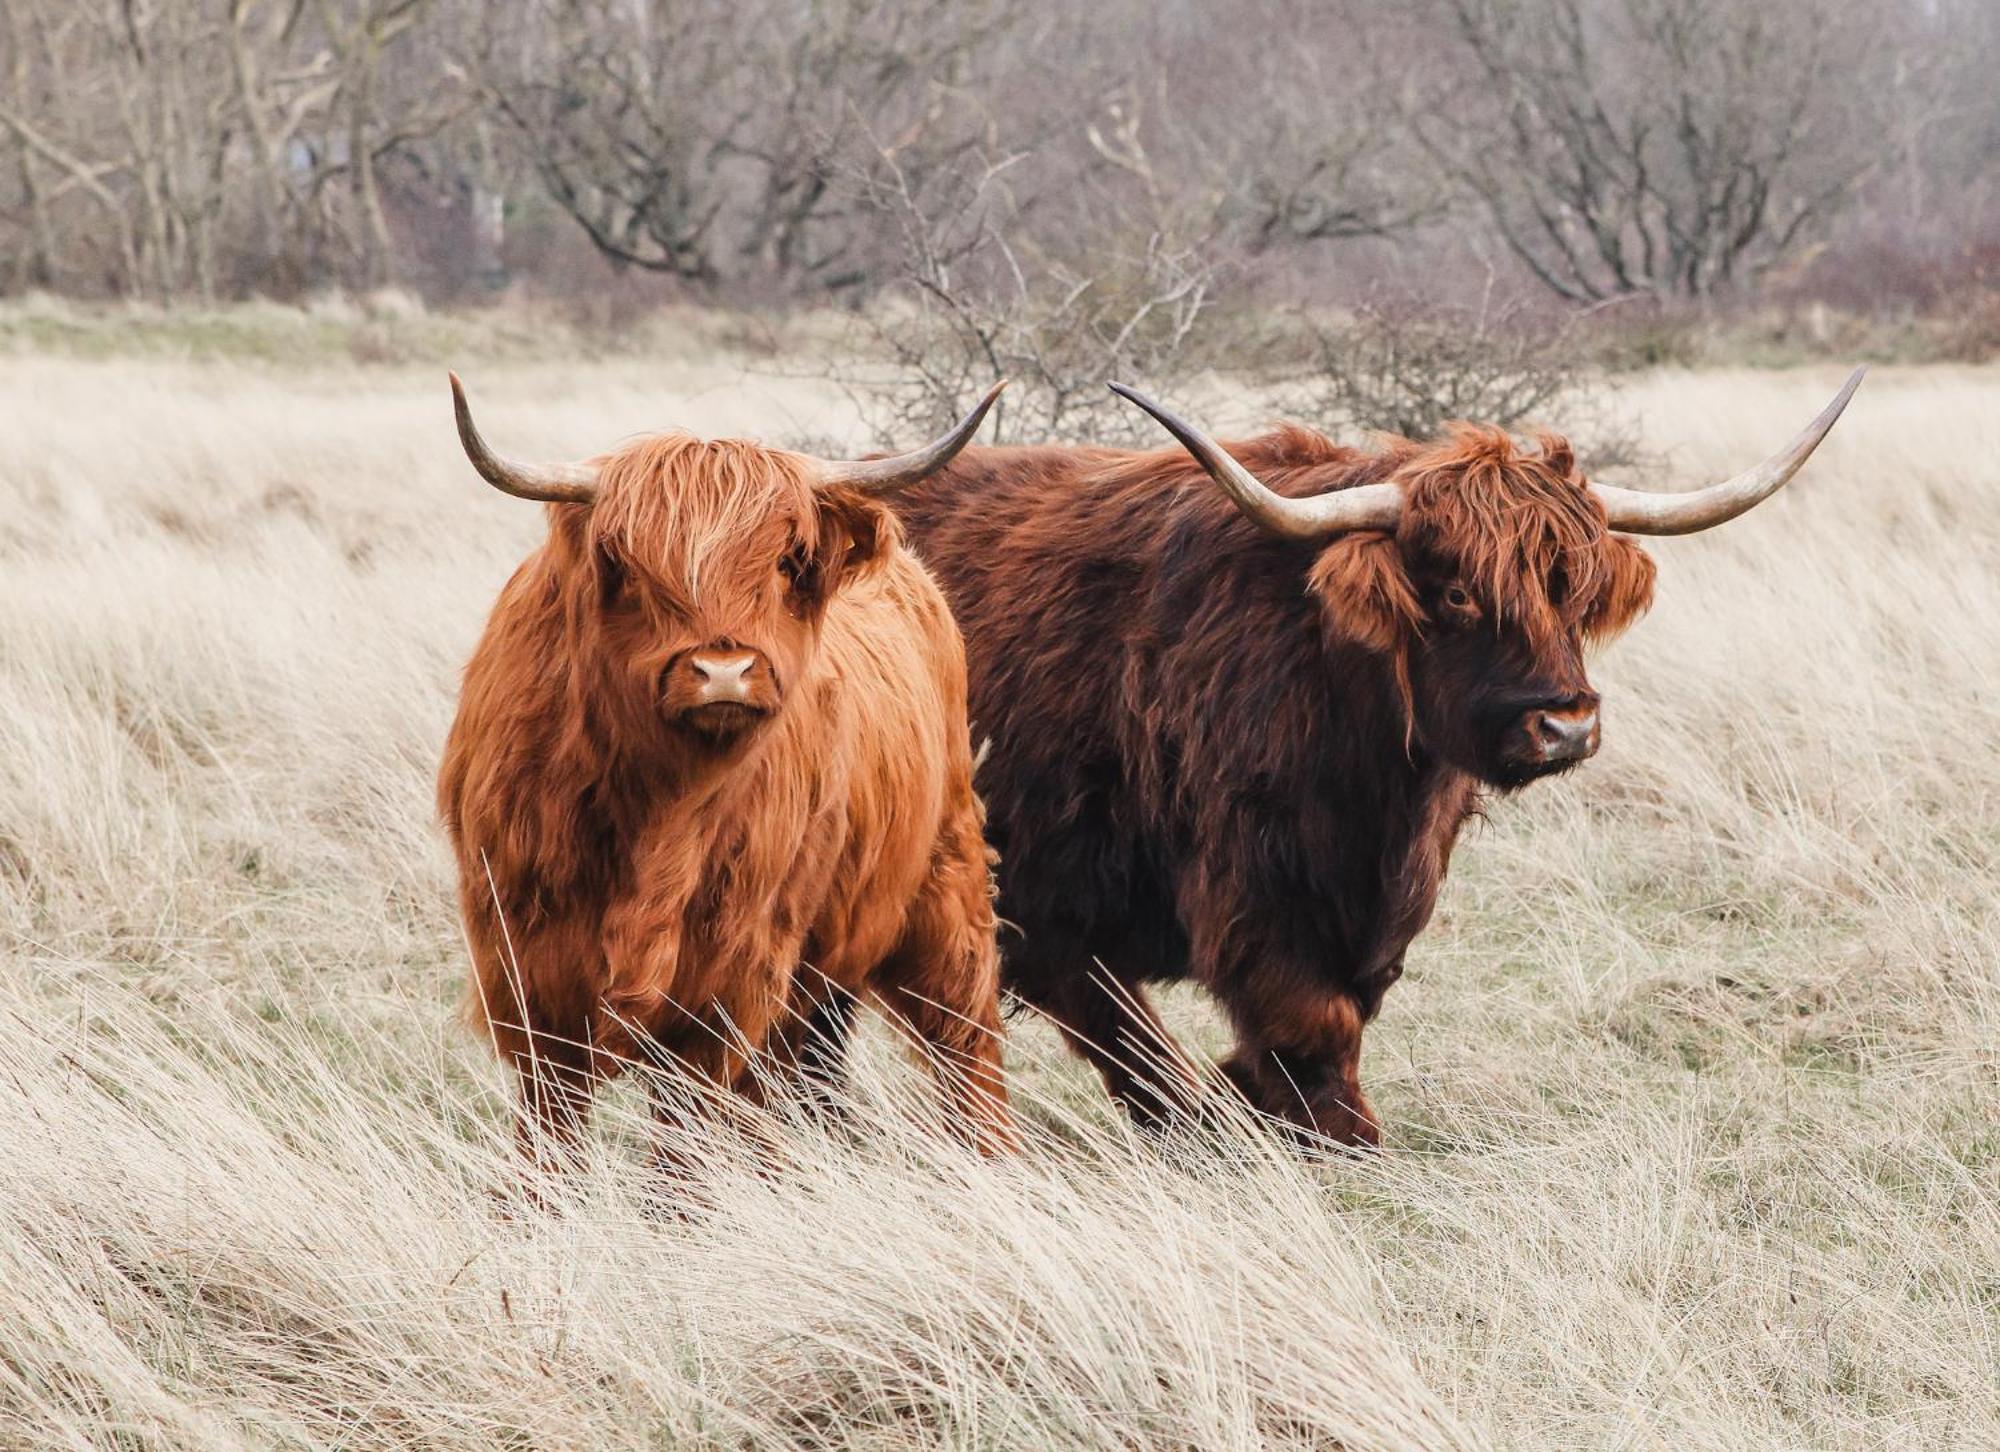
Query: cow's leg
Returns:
{"type": "Point", "coordinates": [942, 982]}
{"type": "Point", "coordinates": [532, 993]}
{"type": "Point", "coordinates": [1298, 1056]}
{"type": "Point", "coordinates": [557, 1079]}
{"type": "Point", "coordinates": [556, 1093]}
{"type": "Point", "coordinates": [710, 1081]}
{"type": "Point", "coordinates": [1113, 1025]}
{"type": "Point", "coordinates": [1284, 976]}
{"type": "Point", "coordinates": [807, 1050]}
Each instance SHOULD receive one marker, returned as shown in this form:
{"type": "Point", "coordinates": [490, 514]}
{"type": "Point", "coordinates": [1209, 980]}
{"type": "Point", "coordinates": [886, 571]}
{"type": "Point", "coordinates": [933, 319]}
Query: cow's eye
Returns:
{"type": "Point", "coordinates": [613, 575]}
{"type": "Point", "coordinates": [1456, 608]}
{"type": "Point", "coordinates": [796, 566]}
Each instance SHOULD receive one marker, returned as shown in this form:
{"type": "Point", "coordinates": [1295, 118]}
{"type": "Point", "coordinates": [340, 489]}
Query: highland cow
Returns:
{"type": "Point", "coordinates": [710, 781]}
{"type": "Point", "coordinates": [1234, 735]}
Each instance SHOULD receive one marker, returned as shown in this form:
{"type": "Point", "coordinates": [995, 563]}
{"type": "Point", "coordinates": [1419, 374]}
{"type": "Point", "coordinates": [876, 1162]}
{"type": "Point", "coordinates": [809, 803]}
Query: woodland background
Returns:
{"type": "Point", "coordinates": [1333, 191]}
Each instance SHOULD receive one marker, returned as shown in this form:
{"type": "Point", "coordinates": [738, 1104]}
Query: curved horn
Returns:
{"type": "Point", "coordinates": [1366, 506]}
{"type": "Point", "coordinates": [879, 476]}
{"type": "Point", "coordinates": [1637, 512]}
{"type": "Point", "coordinates": [550, 483]}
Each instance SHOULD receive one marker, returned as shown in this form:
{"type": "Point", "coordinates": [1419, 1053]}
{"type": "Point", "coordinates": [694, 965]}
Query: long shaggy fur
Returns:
{"type": "Point", "coordinates": [1513, 520]}
{"type": "Point", "coordinates": [625, 880]}
{"type": "Point", "coordinates": [1224, 755]}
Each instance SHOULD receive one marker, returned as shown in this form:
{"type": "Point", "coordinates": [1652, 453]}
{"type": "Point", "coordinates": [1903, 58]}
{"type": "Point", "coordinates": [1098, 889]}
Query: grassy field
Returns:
{"type": "Point", "coordinates": [1692, 1091]}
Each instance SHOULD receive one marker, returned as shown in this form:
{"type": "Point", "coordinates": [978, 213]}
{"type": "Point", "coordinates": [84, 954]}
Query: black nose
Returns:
{"type": "Point", "coordinates": [1564, 735]}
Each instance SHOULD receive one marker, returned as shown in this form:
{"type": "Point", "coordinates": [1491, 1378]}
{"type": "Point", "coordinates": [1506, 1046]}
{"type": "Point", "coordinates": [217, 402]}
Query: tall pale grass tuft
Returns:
{"type": "Point", "coordinates": [1691, 1090]}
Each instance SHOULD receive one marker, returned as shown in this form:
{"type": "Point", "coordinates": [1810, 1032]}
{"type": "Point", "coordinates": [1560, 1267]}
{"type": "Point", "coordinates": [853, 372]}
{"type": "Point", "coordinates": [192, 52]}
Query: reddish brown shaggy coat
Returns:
{"type": "Point", "coordinates": [1225, 755]}
{"type": "Point", "coordinates": [630, 871]}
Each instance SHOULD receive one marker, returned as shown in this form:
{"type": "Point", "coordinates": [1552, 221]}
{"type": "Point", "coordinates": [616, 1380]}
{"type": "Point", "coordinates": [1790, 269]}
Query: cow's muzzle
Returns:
{"type": "Point", "coordinates": [721, 690]}
{"type": "Point", "coordinates": [1553, 736]}
{"type": "Point", "coordinates": [1562, 736]}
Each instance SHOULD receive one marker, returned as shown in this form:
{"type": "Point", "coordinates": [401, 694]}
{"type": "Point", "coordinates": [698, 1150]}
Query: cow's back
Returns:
{"type": "Point", "coordinates": [1141, 658]}
{"type": "Point", "coordinates": [1048, 578]}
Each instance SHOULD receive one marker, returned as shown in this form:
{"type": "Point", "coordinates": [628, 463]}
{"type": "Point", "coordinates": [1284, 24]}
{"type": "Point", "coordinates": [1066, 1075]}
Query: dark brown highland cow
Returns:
{"type": "Point", "coordinates": [1234, 734]}
{"type": "Point", "coordinates": [710, 780]}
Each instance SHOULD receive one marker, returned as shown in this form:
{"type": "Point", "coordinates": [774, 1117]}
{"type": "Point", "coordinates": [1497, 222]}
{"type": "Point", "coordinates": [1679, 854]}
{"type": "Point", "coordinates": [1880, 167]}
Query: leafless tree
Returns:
{"type": "Point", "coordinates": [359, 33]}
{"type": "Point", "coordinates": [208, 143]}
{"type": "Point", "coordinates": [706, 141]}
{"type": "Point", "coordinates": [1280, 117]}
{"type": "Point", "coordinates": [1674, 147]}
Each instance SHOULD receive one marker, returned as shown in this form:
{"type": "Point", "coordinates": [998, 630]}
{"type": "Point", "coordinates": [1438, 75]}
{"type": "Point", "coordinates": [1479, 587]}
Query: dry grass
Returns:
{"type": "Point", "coordinates": [1691, 1089]}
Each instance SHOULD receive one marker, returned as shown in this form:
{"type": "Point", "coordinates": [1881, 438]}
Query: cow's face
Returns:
{"type": "Point", "coordinates": [1499, 572]}
{"type": "Point", "coordinates": [712, 566]}
{"type": "Point", "coordinates": [692, 577]}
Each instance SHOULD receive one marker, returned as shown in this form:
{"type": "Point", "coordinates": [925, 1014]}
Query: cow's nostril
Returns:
{"type": "Point", "coordinates": [723, 678]}
{"type": "Point", "coordinates": [1565, 736]}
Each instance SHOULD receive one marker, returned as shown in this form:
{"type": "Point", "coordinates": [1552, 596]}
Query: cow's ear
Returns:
{"type": "Point", "coordinates": [1627, 591]}
{"type": "Point", "coordinates": [856, 531]}
{"type": "Point", "coordinates": [1365, 594]}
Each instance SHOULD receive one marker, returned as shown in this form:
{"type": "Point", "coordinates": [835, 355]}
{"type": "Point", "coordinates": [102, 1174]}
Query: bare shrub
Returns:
{"type": "Point", "coordinates": [1055, 335]}
{"type": "Point", "coordinates": [1972, 335]}
{"type": "Point", "coordinates": [974, 304]}
{"type": "Point", "coordinates": [1399, 365]}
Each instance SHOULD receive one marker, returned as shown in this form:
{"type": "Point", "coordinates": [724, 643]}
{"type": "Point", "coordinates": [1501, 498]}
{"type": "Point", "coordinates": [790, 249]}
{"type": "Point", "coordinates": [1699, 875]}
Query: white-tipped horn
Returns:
{"type": "Point", "coordinates": [549, 483]}
{"type": "Point", "coordinates": [1366, 506]}
{"type": "Point", "coordinates": [880, 476]}
{"type": "Point", "coordinates": [1637, 512]}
